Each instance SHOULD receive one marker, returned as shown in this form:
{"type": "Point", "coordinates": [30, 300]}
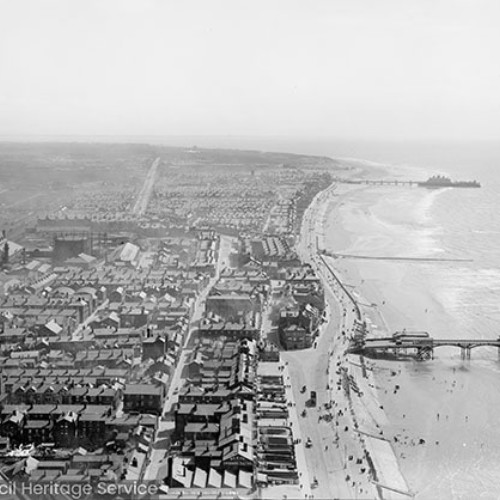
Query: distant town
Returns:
{"type": "Point", "coordinates": [148, 294]}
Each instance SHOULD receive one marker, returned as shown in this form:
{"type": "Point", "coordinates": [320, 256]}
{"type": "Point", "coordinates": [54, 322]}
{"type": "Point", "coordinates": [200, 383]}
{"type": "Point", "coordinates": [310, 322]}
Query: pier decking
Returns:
{"type": "Point", "coordinates": [434, 182]}
{"type": "Point", "coordinates": [379, 182]}
{"type": "Point", "coordinates": [422, 347]}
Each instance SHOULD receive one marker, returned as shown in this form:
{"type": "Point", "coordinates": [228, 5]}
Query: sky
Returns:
{"type": "Point", "coordinates": [352, 69]}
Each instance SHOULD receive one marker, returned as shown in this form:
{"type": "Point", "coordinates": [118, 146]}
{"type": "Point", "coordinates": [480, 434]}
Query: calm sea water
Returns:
{"type": "Point", "coordinates": [447, 223]}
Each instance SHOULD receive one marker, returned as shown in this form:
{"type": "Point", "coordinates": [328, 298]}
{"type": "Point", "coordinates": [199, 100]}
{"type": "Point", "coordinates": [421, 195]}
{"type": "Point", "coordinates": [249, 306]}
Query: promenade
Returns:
{"type": "Point", "coordinates": [349, 457]}
{"type": "Point", "coordinates": [336, 451]}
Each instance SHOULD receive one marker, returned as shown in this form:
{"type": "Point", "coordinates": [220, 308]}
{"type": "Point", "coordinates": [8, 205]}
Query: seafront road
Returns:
{"type": "Point", "coordinates": [336, 457]}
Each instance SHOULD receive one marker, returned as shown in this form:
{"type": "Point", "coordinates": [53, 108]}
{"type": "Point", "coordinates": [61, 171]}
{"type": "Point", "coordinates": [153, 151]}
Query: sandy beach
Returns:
{"type": "Point", "coordinates": [439, 414]}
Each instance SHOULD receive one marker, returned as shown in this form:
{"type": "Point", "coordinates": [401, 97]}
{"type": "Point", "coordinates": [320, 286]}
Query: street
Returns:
{"type": "Point", "coordinates": [161, 441]}
{"type": "Point", "coordinates": [336, 457]}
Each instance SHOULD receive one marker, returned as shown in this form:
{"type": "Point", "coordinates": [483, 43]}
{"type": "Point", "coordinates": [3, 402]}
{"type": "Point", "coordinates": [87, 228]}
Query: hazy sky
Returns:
{"type": "Point", "coordinates": [389, 69]}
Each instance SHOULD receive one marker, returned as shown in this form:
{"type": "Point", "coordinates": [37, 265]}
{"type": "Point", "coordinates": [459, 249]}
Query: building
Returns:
{"type": "Point", "coordinates": [143, 398]}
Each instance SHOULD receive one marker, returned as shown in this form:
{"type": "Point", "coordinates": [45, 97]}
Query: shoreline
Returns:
{"type": "Point", "coordinates": [439, 414]}
{"type": "Point", "coordinates": [368, 410]}
{"type": "Point", "coordinates": [369, 416]}
{"type": "Point", "coordinates": [378, 451]}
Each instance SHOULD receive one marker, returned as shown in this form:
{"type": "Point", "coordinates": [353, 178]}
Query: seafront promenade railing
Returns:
{"type": "Point", "coordinates": [344, 289]}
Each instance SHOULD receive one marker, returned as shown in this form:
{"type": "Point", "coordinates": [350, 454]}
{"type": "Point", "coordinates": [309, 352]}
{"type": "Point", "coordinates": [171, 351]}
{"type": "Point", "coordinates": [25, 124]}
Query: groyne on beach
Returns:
{"type": "Point", "coordinates": [392, 258]}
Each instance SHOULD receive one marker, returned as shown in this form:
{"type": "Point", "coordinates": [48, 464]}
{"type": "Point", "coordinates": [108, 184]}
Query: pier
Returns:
{"type": "Point", "coordinates": [379, 182]}
{"type": "Point", "coordinates": [420, 346]}
{"type": "Point", "coordinates": [434, 182]}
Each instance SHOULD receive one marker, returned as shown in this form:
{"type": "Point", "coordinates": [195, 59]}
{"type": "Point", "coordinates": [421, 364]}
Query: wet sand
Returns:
{"type": "Point", "coordinates": [451, 406]}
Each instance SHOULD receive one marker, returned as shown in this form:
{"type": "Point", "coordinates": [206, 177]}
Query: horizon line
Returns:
{"type": "Point", "coordinates": [306, 138]}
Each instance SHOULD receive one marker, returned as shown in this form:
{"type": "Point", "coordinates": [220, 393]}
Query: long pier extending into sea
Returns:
{"type": "Point", "coordinates": [435, 182]}
{"type": "Point", "coordinates": [380, 182]}
{"type": "Point", "coordinates": [420, 346]}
